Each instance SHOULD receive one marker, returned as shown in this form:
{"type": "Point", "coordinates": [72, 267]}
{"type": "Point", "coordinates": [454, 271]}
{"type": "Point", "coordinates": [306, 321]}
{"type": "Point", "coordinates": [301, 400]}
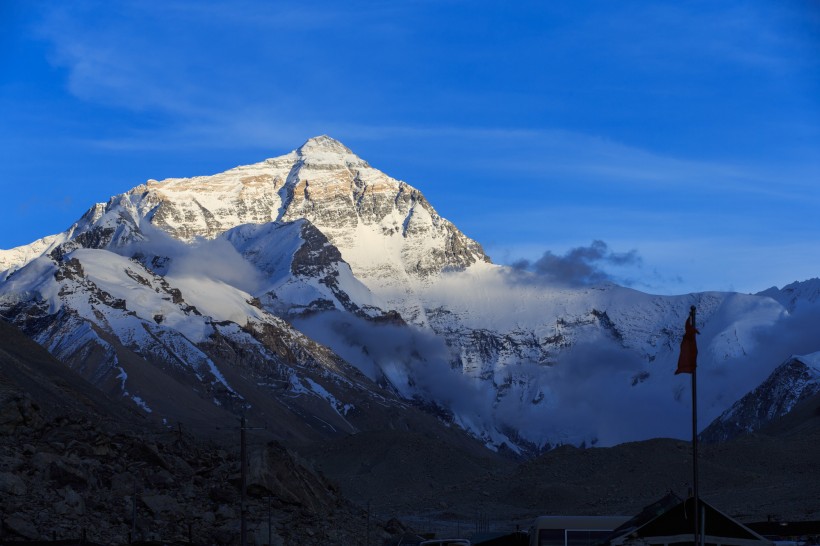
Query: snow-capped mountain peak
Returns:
{"type": "Point", "coordinates": [327, 147]}
{"type": "Point", "coordinates": [325, 153]}
{"type": "Point", "coordinates": [200, 271]}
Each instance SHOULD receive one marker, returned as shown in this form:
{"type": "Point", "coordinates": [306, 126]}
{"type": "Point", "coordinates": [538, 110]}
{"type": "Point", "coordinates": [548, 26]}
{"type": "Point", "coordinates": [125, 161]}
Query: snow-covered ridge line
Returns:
{"type": "Point", "coordinates": [15, 258]}
{"type": "Point", "coordinates": [793, 381]}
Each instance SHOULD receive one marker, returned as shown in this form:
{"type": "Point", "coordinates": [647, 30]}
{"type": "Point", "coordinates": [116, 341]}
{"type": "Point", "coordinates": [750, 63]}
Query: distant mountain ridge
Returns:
{"type": "Point", "coordinates": [807, 292]}
{"type": "Point", "coordinates": [320, 292]}
{"type": "Point", "coordinates": [793, 381]}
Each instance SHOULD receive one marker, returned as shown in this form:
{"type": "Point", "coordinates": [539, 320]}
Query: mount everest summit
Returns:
{"type": "Point", "coordinates": [318, 294]}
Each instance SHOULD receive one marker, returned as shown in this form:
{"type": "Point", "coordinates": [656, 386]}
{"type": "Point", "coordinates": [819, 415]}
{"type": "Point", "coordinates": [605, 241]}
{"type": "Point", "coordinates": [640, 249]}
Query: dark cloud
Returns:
{"type": "Point", "coordinates": [580, 266]}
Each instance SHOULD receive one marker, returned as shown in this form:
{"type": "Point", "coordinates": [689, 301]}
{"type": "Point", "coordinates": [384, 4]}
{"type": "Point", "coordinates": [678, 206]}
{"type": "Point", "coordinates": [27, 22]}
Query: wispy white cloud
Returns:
{"type": "Point", "coordinates": [252, 91]}
{"type": "Point", "coordinates": [199, 59]}
{"type": "Point", "coordinates": [540, 155]}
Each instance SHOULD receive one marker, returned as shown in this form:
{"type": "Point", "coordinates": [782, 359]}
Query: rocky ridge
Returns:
{"type": "Point", "coordinates": [795, 380]}
{"type": "Point", "coordinates": [194, 356]}
{"type": "Point", "coordinates": [353, 204]}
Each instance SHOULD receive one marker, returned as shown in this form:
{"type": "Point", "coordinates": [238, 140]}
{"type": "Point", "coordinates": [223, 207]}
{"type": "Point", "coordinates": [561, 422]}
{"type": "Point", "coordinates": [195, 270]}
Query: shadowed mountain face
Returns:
{"type": "Point", "coordinates": [795, 381]}
{"type": "Point", "coordinates": [37, 390]}
{"type": "Point", "coordinates": [74, 456]}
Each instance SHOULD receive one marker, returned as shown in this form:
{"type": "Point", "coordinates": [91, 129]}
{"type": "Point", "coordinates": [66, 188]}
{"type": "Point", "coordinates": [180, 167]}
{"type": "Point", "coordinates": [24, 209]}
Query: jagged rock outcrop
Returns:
{"type": "Point", "coordinates": [795, 380]}
{"type": "Point", "coordinates": [805, 292]}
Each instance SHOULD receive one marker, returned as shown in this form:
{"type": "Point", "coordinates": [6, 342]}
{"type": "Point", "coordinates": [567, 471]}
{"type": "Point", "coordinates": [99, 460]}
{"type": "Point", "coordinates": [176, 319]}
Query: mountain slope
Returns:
{"type": "Point", "coordinates": [134, 335]}
{"type": "Point", "coordinates": [35, 386]}
{"type": "Point", "coordinates": [792, 382]}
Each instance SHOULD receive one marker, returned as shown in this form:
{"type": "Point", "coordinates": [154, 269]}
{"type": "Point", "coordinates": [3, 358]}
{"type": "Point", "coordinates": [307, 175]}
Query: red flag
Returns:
{"type": "Point", "coordinates": [688, 359]}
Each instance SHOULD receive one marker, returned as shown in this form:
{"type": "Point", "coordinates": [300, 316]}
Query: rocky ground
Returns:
{"type": "Point", "coordinates": [72, 477]}
{"type": "Point", "coordinates": [61, 477]}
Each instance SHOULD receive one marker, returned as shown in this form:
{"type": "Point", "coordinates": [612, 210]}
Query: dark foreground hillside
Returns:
{"type": "Point", "coordinates": [63, 477]}
{"type": "Point", "coordinates": [772, 473]}
{"type": "Point", "coordinates": [72, 460]}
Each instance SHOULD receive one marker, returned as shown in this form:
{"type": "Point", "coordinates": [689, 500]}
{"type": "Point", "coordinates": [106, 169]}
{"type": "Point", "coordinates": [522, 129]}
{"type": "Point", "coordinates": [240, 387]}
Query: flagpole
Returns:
{"type": "Point", "coordinates": [696, 521]}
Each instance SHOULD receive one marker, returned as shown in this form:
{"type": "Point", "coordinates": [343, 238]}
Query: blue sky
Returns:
{"type": "Point", "coordinates": [688, 132]}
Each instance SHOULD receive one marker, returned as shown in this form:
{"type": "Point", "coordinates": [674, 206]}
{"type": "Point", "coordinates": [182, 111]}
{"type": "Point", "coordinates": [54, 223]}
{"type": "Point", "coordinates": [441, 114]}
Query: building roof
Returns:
{"type": "Point", "coordinates": [669, 522]}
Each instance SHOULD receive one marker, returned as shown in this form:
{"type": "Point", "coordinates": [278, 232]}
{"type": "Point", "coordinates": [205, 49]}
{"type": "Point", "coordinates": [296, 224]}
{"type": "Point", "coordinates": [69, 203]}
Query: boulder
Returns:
{"type": "Point", "coordinates": [160, 479]}
{"type": "Point", "coordinates": [225, 512]}
{"type": "Point", "coordinates": [17, 412]}
{"type": "Point", "coordinates": [273, 470]}
{"type": "Point", "coordinates": [42, 460]}
{"type": "Point", "coordinates": [223, 494]}
{"type": "Point", "coordinates": [71, 504]}
{"type": "Point", "coordinates": [12, 484]}
{"type": "Point", "coordinates": [21, 526]}
{"type": "Point", "coordinates": [65, 473]}
{"type": "Point", "coordinates": [122, 484]}
{"type": "Point", "coordinates": [160, 504]}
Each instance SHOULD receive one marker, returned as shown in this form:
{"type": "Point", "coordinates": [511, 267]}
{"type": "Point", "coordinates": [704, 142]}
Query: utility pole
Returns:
{"type": "Point", "coordinates": [133, 468]}
{"type": "Point", "coordinates": [367, 538]}
{"type": "Point", "coordinates": [134, 513]}
{"type": "Point", "coordinates": [243, 454]}
{"type": "Point", "coordinates": [270, 534]}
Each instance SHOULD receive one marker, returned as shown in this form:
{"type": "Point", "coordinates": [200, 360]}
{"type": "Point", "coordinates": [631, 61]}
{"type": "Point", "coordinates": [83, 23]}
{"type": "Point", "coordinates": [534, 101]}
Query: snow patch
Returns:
{"type": "Point", "coordinates": [141, 403]}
